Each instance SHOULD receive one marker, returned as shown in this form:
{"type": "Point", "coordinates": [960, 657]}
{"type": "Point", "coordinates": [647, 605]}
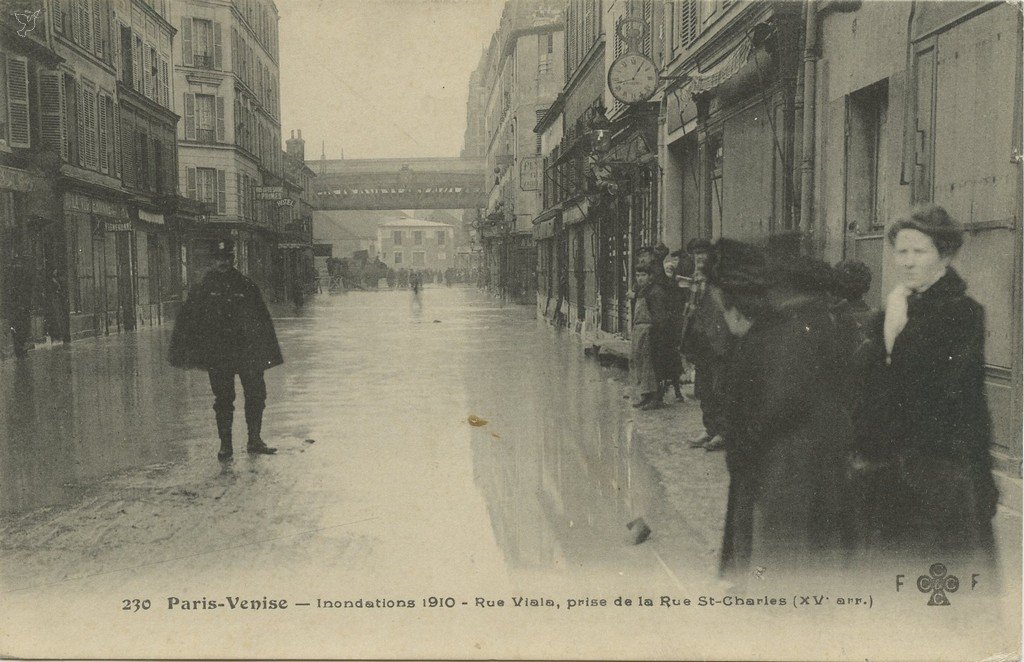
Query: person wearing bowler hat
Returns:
{"type": "Point", "coordinates": [225, 328]}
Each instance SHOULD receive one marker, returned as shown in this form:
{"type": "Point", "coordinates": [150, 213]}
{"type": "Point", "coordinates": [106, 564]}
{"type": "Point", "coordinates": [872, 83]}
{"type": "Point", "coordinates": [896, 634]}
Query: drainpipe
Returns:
{"type": "Point", "coordinates": [807, 146]}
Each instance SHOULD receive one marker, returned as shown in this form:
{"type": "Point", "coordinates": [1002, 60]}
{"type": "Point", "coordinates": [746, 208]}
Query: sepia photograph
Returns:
{"type": "Point", "coordinates": [511, 329]}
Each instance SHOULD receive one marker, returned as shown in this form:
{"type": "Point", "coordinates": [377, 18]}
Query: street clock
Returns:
{"type": "Point", "coordinates": [632, 77]}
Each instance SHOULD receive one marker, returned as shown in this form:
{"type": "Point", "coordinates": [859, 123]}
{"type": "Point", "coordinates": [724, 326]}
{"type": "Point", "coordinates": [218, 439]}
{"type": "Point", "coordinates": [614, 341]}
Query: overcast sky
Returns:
{"type": "Point", "coordinates": [380, 78]}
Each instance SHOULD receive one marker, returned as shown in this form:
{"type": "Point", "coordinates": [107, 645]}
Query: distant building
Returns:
{"type": "Point", "coordinates": [416, 244]}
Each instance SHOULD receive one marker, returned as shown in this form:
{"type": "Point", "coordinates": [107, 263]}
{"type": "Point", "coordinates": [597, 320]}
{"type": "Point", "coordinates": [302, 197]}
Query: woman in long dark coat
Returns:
{"type": "Point", "coordinates": [922, 420]}
{"type": "Point", "coordinates": [788, 433]}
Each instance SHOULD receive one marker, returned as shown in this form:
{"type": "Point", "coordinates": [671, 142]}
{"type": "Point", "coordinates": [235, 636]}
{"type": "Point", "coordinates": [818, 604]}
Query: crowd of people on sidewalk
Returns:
{"type": "Point", "coordinates": [851, 435]}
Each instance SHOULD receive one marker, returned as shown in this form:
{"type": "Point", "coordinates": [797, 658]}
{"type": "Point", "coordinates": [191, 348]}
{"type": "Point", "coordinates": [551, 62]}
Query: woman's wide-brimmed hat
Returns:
{"type": "Point", "coordinates": [737, 266]}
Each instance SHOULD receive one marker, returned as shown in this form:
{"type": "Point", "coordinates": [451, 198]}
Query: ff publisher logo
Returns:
{"type": "Point", "coordinates": [938, 582]}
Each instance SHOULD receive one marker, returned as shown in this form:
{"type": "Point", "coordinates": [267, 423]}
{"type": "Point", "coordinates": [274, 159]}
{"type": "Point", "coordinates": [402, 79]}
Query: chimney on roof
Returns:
{"type": "Point", "coordinates": [296, 147]}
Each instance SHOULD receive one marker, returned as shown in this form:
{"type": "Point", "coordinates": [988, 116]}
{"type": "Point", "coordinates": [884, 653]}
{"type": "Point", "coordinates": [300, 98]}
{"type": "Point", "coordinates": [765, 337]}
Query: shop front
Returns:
{"type": "Point", "coordinates": [101, 268]}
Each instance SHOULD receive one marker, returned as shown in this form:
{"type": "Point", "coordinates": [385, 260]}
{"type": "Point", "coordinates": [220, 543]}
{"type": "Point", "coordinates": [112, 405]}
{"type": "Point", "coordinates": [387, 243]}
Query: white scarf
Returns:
{"type": "Point", "coordinates": [895, 317]}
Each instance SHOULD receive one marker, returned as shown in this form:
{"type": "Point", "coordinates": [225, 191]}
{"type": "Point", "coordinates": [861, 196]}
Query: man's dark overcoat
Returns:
{"type": "Point", "coordinates": [788, 436]}
{"type": "Point", "coordinates": [225, 325]}
{"type": "Point", "coordinates": [923, 425]}
{"type": "Point", "coordinates": [666, 305]}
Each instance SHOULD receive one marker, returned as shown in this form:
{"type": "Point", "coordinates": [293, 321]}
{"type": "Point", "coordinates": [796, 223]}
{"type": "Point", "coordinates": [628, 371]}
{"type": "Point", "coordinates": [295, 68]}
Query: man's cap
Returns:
{"type": "Point", "coordinates": [223, 248]}
{"type": "Point", "coordinates": [738, 266]}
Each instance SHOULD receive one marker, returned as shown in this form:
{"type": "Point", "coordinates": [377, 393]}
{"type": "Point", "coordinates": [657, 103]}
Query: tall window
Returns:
{"type": "Point", "coordinates": [206, 119]}
{"type": "Point", "coordinates": [417, 238]}
{"type": "Point", "coordinates": [206, 185]}
{"type": "Point", "coordinates": [202, 46]}
{"type": "Point", "coordinates": [396, 238]}
{"type": "Point", "coordinates": [441, 236]}
{"type": "Point", "coordinates": [398, 258]}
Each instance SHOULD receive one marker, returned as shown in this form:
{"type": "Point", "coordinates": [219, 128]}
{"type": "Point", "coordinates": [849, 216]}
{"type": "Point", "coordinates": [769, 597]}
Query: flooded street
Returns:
{"type": "Point", "coordinates": [110, 477]}
{"type": "Point", "coordinates": [382, 493]}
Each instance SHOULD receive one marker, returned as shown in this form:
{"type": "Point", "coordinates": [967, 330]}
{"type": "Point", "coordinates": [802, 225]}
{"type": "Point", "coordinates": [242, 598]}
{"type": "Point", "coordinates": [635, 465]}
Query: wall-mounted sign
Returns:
{"type": "Point", "coordinates": [150, 217]}
{"type": "Point", "coordinates": [529, 173]}
{"type": "Point", "coordinates": [269, 192]}
{"type": "Point", "coordinates": [285, 202]}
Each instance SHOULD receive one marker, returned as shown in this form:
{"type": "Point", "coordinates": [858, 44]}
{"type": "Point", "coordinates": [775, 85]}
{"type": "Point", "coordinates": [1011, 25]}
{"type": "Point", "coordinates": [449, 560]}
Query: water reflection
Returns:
{"type": "Point", "coordinates": [75, 414]}
{"type": "Point", "coordinates": [564, 478]}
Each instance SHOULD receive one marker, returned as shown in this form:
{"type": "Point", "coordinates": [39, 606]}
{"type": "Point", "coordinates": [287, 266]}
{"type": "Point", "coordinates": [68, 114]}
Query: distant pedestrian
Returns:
{"type": "Point", "coordinates": [18, 299]}
{"type": "Point", "coordinates": [788, 434]}
{"type": "Point", "coordinates": [923, 425]}
{"type": "Point", "coordinates": [641, 357]}
{"type": "Point", "coordinates": [224, 327]}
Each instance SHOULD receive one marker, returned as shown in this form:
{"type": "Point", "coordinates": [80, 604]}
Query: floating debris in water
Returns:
{"type": "Point", "coordinates": [311, 441]}
{"type": "Point", "coordinates": [641, 531]}
{"type": "Point", "coordinates": [496, 435]}
{"type": "Point", "coordinates": [476, 421]}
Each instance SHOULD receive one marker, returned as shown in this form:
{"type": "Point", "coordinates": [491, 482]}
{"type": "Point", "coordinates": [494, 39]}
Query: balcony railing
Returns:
{"type": "Point", "coordinates": [202, 61]}
{"type": "Point", "coordinates": [206, 135]}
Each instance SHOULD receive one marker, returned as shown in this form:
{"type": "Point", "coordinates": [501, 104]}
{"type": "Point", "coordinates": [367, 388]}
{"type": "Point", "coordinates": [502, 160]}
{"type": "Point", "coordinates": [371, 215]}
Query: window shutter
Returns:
{"type": "Point", "coordinates": [97, 28]}
{"type": "Point", "coordinates": [220, 119]}
{"type": "Point", "coordinates": [52, 128]}
{"type": "Point", "coordinates": [86, 33]}
{"type": "Point", "coordinates": [129, 172]}
{"type": "Point", "coordinates": [91, 129]}
{"type": "Point", "coordinates": [76, 20]}
{"type": "Point", "coordinates": [101, 107]}
{"type": "Point", "coordinates": [222, 194]}
{"type": "Point", "coordinates": [190, 116]}
{"type": "Point", "coordinates": [117, 139]}
{"type": "Point", "coordinates": [17, 101]}
{"type": "Point", "coordinates": [186, 41]}
{"type": "Point", "coordinates": [218, 60]}
{"type": "Point", "coordinates": [80, 121]}
{"type": "Point", "coordinates": [190, 182]}
{"type": "Point", "coordinates": [165, 82]}
{"type": "Point", "coordinates": [58, 16]}
{"type": "Point", "coordinates": [137, 75]}
{"type": "Point", "coordinates": [238, 193]}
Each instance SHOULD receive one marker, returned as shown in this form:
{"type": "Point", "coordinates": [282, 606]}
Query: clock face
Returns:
{"type": "Point", "coordinates": [633, 78]}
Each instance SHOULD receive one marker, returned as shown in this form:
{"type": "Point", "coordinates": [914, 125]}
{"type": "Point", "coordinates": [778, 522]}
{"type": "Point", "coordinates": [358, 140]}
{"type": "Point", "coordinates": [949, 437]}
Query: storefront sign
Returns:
{"type": "Point", "coordinates": [285, 202]}
{"type": "Point", "coordinates": [13, 179]}
{"type": "Point", "coordinates": [269, 192]}
{"type": "Point", "coordinates": [529, 173]}
{"type": "Point", "coordinates": [150, 217]}
{"type": "Point", "coordinates": [111, 226]}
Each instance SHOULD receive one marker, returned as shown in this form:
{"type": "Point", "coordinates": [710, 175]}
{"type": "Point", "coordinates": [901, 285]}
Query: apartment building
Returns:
{"type": "Point", "coordinates": [226, 83]}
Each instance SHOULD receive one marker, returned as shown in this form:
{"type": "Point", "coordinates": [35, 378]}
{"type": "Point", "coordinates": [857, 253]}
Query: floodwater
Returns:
{"type": "Point", "coordinates": [371, 414]}
{"type": "Point", "coordinates": [115, 511]}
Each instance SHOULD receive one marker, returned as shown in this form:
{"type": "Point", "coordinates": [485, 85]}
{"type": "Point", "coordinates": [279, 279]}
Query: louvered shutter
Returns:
{"type": "Point", "coordinates": [101, 107]}
{"type": "Point", "coordinates": [190, 182]}
{"type": "Point", "coordinates": [76, 19]}
{"type": "Point", "coordinates": [218, 59]}
{"type": "Point", "coordinates": [190, 116]}
{"type": "Point", "coordinates": [118, 170]}
{"type": "Point", "coordinates": [165, 82]}
{"type": "Point", "coordinates": [147, 72]}
{"type": "Point", "coordinates": [222, 193]}
{"type": "Point", "coordinates": [186, 41]}
{"type": "Point", "coordinates": [220, 119]}
{"type": "Point", "coordinates": [97, 27]}
{"type": "Point", "coordinates": [129, 172]}
{"type": "Point", "coordinates": [91, 129]}
{"type": "Point", "coordinates": [52, 127]}
{"type": "Point", "coordinates": [137, 75]}
{"type": "Point", "coordinates": [86, 24]}
{"type": "Point", "coordinates": [58, 16]}
{"type": "Point", "coordinates": [239, 195]}
{"type": "Point", "coordinates": [17, 102]}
